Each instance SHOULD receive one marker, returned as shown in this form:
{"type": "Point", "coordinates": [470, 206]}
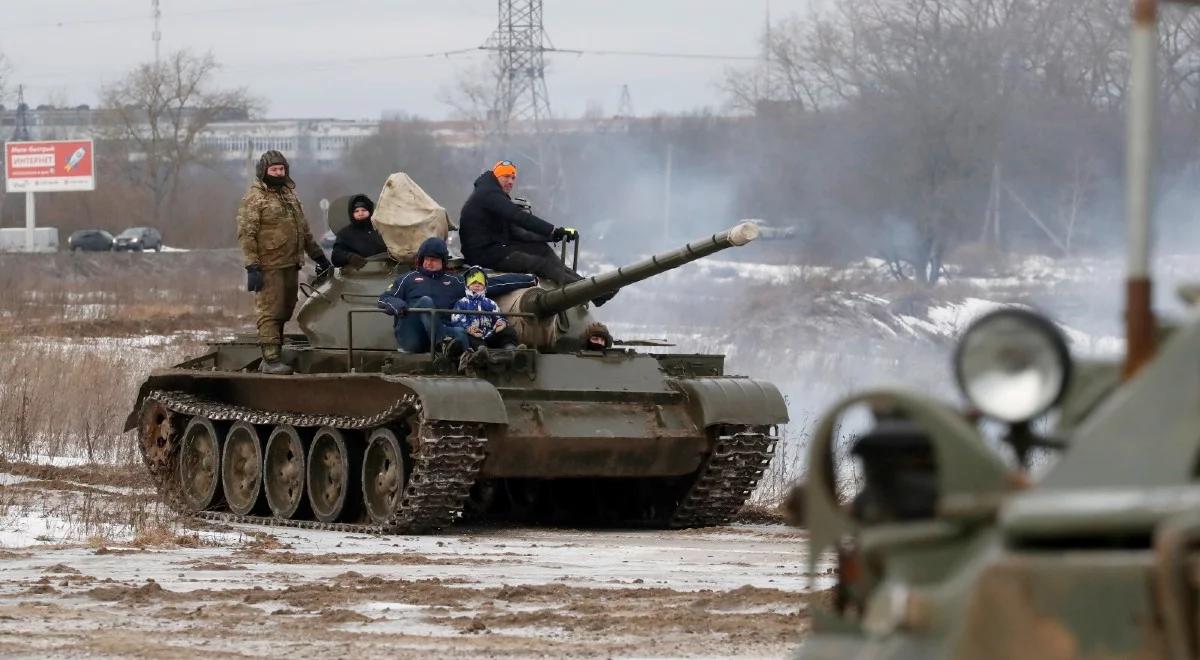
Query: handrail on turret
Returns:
{"type": "Point", "coordinates": [563, 253]}
{"type": "Point", "coordinates": [414, 310]}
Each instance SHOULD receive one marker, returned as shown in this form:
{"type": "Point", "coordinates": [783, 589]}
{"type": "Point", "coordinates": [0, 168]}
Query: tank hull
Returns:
{"type": "Point", "coordinates": [606, 438]}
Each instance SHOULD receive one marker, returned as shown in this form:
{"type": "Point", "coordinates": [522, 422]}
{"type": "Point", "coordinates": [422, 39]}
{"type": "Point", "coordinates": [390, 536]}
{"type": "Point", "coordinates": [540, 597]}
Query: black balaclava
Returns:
{"type": "Point", "coordinates": [361, 201]}
{"type": "Point", "coordinates": [268, 159]}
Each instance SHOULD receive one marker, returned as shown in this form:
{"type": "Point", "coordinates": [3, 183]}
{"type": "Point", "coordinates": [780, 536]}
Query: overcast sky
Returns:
{"type": "Point", "coordinates": [311, 58]}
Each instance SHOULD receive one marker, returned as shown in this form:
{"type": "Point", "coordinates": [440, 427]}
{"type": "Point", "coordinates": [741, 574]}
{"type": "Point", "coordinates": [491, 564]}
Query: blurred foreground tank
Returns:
{"type": "Point", "coordinates": [367, 438]}
{"type": "Point", "coordinates": [949, 549]}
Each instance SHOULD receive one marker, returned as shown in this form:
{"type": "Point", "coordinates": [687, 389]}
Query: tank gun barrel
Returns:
{"type": "Point", "coordinates": [563, 298]}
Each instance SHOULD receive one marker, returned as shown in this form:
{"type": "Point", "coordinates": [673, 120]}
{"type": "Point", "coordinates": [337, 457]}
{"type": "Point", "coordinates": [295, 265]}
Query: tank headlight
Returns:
{"type": "Point", "coordinates": [1012, 365]}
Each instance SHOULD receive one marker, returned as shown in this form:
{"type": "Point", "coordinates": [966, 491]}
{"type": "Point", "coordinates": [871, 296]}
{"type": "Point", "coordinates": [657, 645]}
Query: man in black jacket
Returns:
{"type": "Point", "coordinates": [428, 285]}
{"type": "Point", "coordinates": [358, 240]}
{"type": "Point", "coordinates": [500, 234]}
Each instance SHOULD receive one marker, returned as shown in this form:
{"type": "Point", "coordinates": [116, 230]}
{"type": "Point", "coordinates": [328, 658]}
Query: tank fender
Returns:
{"type": "Point", "coordinates": [445, 398]}
{"type": "Point", "coordinates": [456, 399]}
{"type": "Point", "coordinates": [732, 400]}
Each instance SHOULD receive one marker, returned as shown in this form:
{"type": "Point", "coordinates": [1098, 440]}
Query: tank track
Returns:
{"type": "Point", "coordinates": [445, 464]}
{"type": "Point", "coordinates": [190, 404]}
{"type": "Point", "coordinates": [728, 476]}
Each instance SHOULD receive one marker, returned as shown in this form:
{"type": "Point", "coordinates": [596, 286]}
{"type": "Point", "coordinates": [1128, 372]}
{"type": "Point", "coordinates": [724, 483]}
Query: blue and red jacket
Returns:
{"type": "Point", "coordinates": [476, 302]}
{"type": "Point", "coordinates": [443, 288]}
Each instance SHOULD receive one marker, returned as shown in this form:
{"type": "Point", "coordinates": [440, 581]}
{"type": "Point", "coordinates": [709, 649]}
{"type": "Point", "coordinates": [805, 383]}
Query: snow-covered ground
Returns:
{"type": "Point", "coordinates": [821, 333]}
{"type": "Point", "coordinates": [74, 581]}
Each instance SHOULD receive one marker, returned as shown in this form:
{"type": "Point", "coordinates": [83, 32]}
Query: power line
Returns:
{"type": "Point", "coordinates": [641, 53]}
{"type": "Point", "coordinates": [317, 65]}
{"type": "Point", "coordinates": [334, 63]}
{"type": "Point", "coordinates": [520, 44]}
{"type": "Point", "coordinates": [170, 15]}
{"type": "Point", "coordinates": [313, 65]}
{"type": "Point", "coordinates": [658, 54]}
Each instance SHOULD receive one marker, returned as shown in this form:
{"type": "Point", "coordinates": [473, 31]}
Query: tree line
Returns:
{"type": "Point", "coordinates": [915, 131]}
{"type": "Point", "coordinates": [915, 127]}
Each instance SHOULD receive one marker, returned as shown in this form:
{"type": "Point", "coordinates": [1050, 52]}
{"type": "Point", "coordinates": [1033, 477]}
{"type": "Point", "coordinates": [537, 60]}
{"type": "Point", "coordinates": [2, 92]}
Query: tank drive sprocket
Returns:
{"type": "Point", "coordinates": [728, 476]}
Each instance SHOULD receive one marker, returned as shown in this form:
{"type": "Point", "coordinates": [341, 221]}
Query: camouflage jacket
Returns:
{"type": "Point", "coordinates": [272, 230]}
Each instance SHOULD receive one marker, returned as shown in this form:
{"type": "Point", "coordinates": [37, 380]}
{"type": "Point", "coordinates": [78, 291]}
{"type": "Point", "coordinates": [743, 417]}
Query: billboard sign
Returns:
{"type": "Point", "coordinates": [49, 166]}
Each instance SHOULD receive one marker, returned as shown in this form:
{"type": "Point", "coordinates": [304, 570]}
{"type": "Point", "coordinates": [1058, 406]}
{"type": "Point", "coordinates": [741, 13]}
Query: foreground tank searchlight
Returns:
{"type": "Point", "coordinates": [948, 551]}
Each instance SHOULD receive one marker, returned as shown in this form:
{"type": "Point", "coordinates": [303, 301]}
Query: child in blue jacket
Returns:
{"type": "Point", "coordinates": [482, 329]}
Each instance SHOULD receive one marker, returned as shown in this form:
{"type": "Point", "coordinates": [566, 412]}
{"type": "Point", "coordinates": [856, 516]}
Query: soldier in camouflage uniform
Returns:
{"type": "Point", "coordinates": [274, 236]}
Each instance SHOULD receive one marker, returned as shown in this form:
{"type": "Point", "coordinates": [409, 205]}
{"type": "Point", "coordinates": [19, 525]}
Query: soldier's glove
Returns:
{"type": "Point", "coordinates": [322, 265]}
{"type": "Point", "coordinates": [564, 234]}
{"type": "Point", "coordinates": [356, 261]}
{"type": "Point", "coordinates": [254, 279]}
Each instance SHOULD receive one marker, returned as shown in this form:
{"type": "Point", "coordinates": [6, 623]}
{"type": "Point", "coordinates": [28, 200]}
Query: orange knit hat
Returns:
{"type": "Point", "coordinates": [504, 168]}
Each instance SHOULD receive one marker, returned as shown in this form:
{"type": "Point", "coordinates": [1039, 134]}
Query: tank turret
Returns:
{"type": "Point", "coordinates": [541, 316]}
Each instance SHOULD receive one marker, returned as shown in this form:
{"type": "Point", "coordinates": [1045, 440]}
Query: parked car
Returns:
{"type": "Point", "coordinates": [90, 240]}
{"type": "Point", "coordinates": [138, 238]}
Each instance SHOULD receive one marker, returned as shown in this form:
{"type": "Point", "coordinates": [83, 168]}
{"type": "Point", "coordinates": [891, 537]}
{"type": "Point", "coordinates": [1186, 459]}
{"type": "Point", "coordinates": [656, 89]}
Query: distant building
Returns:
{"type": "Point", "coordinates": [236, 139]}
{"type": "Point", "coordinates": [232, 140]}
{"type": "Point", "coordinates": [323, 141]}
{"type": "Point", "coordinates": [46, 123]}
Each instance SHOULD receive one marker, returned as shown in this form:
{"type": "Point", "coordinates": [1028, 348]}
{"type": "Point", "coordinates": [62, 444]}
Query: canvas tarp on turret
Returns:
{"type": "Point", "coordinates": [406, 215]}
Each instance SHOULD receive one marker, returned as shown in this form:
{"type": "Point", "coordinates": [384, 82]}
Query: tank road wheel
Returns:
{"type": "Point", "coordinates": [242, 469]}
{"type": "Point", "coordinates": [200, 465]}
{"type": "Point", "coordinates": [332, 476]}
{"type": "Point", "coordinates": [383, 475]}
{"type": "Point", "coordinates": [283, 471]}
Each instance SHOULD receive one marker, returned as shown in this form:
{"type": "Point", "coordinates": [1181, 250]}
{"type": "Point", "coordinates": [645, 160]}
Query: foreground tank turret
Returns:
{"type": "Point", "coordinates": [558, 312]}
{"type": "Point", "coordinates": [541, 315]}
{"type": "Point", "coordinates": [367, 438]}
{"type": "Point", "coordinates": [952, 548]}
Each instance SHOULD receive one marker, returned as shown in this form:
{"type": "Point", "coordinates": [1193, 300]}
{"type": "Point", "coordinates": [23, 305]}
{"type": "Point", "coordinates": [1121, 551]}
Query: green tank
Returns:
{"type": "Point", "coordinates": [366, 438]}
{"type": "Point", "coordinates": [951, 546]}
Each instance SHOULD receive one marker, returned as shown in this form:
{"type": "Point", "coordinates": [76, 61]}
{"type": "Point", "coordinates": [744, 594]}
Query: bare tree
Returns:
{"type": "Point", "coordinates": [932, 82]}
{"type": "Point", "coordinates": [472, 96]}
{"type": "Point", "coordinates": [158, 110]}
{"type": "Point", "coordinates": [904, 112]}
{"type": "Point", "coordinates": [406, 144]}
{"type": "Point", "coordinates": [782, 77]}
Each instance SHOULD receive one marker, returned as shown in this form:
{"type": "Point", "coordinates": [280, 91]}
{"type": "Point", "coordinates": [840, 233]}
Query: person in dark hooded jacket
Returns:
{"type": "Point", "coordinates": [429, 286]}
{"type": "Point", "coordinates": [498, 233]}
{"type": "Point", "coordinates": [358, 240]}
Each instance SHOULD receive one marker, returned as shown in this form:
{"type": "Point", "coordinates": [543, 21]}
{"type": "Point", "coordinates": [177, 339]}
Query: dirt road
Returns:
{"type": "Point", "coordinates": [75, 586]}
